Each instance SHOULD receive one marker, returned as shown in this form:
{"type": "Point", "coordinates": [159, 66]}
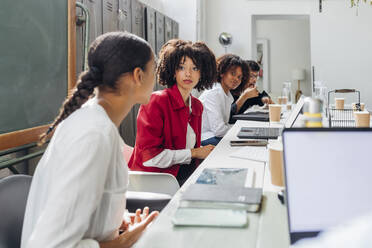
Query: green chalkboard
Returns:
{"type": "Point", "coordinates": [33, 62]}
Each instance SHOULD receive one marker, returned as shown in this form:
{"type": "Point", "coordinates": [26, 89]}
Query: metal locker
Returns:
{"type": "Point", "coordinates": [175, 29]}
{"type": "Point", "coordinates": [127, 129]}
{"type": "Point", "coordinates": [167, 29]}
{"type": "Point", "coordinates": [138, 18]}
{"type": "Point", "coordinates": [95, 29]}
{"type": "Point", "coordinates": [109, 15]}
{"type": "Point", "coordinates": [150, 27]}
{"type": "Point", "coordinates": [125, 15]}
{"type": "Point", "coordinates": [159, 35]}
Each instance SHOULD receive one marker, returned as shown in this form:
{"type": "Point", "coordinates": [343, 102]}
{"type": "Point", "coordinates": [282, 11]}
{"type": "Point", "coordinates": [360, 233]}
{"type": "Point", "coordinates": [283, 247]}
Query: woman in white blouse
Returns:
{"type": "Point", "coordinates": [231, 71]}
{"type": "Point", "coordinates": [77, 196]}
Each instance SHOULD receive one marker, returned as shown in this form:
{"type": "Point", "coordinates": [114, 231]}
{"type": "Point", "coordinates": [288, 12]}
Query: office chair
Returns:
{"type": "Point", "coordinates": [13, 197]}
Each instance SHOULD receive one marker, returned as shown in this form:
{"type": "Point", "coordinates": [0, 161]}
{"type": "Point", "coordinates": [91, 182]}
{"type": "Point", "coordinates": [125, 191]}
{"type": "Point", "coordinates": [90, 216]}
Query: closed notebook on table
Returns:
{"type": "Point", "coordinates": [238, 177]}
{"type": "Point", "coordinates": [221, 197]}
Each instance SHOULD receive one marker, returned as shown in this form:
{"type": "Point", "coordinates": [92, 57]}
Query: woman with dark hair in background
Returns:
{"type": "Point", "coordinates": [169, 126]}
{"type": "Point", "coordinates": [247, 95]}
{"type": "Point", "coordinates": [231, 71]}
{"type": "Point", "coordinates": [77, 197]}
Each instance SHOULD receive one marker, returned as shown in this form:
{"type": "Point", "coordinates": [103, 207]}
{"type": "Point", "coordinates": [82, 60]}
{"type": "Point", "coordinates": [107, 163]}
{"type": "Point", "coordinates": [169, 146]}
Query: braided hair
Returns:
{"type": "Point", "coordinates": [110, 55]}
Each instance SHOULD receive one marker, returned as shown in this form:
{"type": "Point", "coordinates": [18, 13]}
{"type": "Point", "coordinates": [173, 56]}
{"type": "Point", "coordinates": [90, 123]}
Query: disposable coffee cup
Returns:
{"type": "Point", "coordinates": [274, 112]}
{"type": "Point", "coordinates": [339, 103]}
{"type": "Point", "coordinates": [362, 118]}
{"type": "Point", "coordinates": [362, 105]}
{"type": "Point", "coordinates": [276, 163]}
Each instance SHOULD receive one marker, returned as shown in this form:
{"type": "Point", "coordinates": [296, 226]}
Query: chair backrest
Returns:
{"type": "Point", "coordinates": [150, 181]}
{"type": "Point", "coordinates": [153, 182]}
{"type": "Point", "coordinates": [13, 197]}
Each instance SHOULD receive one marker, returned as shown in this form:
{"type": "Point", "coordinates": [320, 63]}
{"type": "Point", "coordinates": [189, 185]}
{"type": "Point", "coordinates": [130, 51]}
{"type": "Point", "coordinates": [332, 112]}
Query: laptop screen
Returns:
{"type": "Point", "coordinates": [295, 112]}
{"type": "Point", "coordinates": [328, 177]}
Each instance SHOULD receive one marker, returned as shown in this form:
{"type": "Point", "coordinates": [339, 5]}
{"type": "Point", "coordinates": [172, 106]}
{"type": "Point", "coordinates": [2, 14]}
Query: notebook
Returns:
{"type": "Point", "coordinates": [221, 197]}
{"type": "Point", "coordinates": [328, 177]}
{"type": "Point", "coordinates": [238, 177]}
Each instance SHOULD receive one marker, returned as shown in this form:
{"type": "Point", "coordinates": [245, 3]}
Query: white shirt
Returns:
{"type": "Point", "coordinates": [169, 157]}
{"type": "Point", "coordinates": [216, 113]}
{"type": "Point", "coordinates": [77, 195]}
{"type": "Point", "coordinates": [355, 233]}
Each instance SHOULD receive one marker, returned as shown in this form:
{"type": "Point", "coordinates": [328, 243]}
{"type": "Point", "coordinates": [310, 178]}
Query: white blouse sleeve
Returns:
{"type": "Point", "coordinates": [169, 157]}
{"type": "Point", "coordinates": [75, 195]}
{"type": "Point", "coordinates": [213, 106]}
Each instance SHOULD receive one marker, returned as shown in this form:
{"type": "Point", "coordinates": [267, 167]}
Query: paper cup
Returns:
{"type": "Point", "coordinates": [362, 118]}
{"type": "Point", "coordinates": [276, 163]}
{"type": "Point", "coordinates": [274, 112]}
{"type": "Point", "coordinates": [339, 103]}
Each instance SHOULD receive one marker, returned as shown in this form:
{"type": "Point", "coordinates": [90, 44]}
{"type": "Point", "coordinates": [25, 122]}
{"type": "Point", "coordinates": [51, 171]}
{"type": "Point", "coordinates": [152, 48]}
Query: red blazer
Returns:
{"type": "Point", "coordinates": [162, 124]}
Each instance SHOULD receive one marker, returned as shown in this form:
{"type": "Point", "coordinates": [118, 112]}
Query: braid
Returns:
{"type": "Point", "coordinates": [83, 90]}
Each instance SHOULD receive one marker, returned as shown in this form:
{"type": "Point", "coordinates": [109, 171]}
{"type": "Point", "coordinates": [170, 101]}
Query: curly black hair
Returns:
{"type": "Point", "coordinates": [253, 65]}
{"type": "Point", "coordinates": [175, 51]}
{"type": "Point", "coordinates": [227, 62]}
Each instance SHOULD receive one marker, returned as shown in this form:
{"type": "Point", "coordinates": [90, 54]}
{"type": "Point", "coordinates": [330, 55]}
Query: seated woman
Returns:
{"type": "Point", "coordinates": [169, 126]}
{"type": "Point", "coordinates": [231, 71]}
{"type": "Point", "coordinates": [247, 95]}
{"type": "Point", "coordinates": [77, 196]}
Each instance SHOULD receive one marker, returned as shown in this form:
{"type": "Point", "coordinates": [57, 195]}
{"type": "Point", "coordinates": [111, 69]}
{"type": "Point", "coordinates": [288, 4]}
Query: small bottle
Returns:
{"type": "Point", "coordinates": [312, 109]}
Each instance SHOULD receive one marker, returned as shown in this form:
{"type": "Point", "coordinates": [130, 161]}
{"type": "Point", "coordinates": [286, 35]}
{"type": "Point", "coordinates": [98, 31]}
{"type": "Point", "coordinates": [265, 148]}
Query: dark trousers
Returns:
{"type": "Point", "coordinates": [185, 172]}
{"type": "Point", "coordinates": [211, 141]}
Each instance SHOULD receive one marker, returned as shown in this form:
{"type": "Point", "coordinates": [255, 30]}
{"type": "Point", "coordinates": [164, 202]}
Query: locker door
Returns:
{"type": "Point", "coordinates": [109, 15]}
{"type": "Point", "coordinates": [175, 29]}
{"type": "Point", "coordinates": [95, 25]}
{"type": "Point", "coordinates": [150, 26]}
{"type": "Point", "coordinates": [95, 29]}
{"type": "Point", "coordinates": [167, 29]}
{"type": "Point", "coordinates": [138, 18]}
{"type": "Point", "coordinates": [159, 25]}
{"type": "Point", "coordinates": [125, 15]}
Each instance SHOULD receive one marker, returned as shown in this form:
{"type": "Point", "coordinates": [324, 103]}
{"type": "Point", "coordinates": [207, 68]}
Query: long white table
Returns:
{"type": "Point", "coordinates": [268, 228]}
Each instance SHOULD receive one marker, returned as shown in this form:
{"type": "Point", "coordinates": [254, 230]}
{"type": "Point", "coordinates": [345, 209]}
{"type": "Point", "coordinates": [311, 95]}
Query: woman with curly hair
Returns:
{"type": "Point", "coordinates": [169, 126]}
{"type": "Point", "coordinates": [231, 71]}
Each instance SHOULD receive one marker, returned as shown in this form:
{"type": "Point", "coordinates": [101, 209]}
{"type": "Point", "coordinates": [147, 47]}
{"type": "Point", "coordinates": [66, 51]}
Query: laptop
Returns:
{"type": "Point", "coordinates": [253, 116]}
{"type": "Point", "coordinates": [328, 177]}
{"type": "Point", "coordinates": [271, 133]}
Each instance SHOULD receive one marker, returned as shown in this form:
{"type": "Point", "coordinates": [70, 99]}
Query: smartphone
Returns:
{"type": "Point", "coordinates": [248, 142]}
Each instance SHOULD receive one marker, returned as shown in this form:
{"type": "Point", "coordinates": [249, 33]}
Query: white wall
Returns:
{"type": "Point", "coordinates": [289, 48]}
{"type": "Point", "coordinates": [341, 49]}
{"type": "Point", "coordinates": [183, 11]}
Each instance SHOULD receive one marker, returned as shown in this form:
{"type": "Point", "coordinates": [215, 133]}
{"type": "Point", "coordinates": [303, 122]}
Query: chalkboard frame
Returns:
{"type": "Point", "coordinates": [22, 137]}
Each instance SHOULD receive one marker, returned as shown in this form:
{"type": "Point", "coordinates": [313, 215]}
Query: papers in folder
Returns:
{"type": "Point", "coordinates": [260, 154]}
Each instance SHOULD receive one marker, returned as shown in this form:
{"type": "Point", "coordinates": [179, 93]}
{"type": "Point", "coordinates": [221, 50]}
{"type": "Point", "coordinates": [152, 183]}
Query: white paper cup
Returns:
{"type": "Point", "coordinates": [274, 112]}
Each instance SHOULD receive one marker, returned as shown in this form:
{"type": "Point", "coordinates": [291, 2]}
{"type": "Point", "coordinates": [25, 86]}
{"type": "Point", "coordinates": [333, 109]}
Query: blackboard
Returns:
{"type": "Point", "coordinates": [33, 62]}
